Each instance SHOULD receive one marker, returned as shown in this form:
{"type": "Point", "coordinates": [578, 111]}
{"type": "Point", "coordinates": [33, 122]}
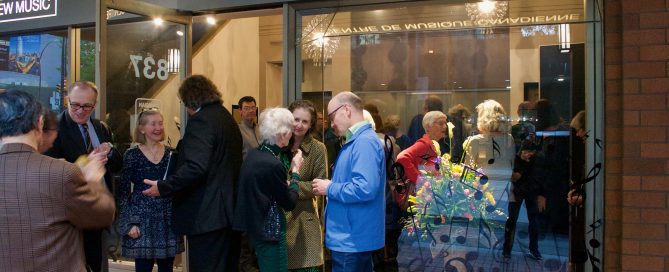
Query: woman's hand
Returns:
{"type": "Point", "coordinates": [134, 232]}
{"type": "Point", "coordinates": [297, 162]}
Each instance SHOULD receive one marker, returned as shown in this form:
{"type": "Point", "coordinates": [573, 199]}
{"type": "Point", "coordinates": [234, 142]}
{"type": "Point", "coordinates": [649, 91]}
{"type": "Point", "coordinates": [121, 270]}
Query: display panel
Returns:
{"type": "Point", "coordinates": [34, 63]}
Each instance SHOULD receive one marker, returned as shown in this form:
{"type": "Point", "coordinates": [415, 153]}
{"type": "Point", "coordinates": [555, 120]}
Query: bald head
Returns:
{"type": "Point", "coordinates": [344, 110]}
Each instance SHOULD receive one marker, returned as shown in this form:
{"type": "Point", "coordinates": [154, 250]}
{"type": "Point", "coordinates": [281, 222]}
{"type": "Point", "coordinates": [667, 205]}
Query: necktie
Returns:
{"type": "Point", "coordinates": [87, 138]}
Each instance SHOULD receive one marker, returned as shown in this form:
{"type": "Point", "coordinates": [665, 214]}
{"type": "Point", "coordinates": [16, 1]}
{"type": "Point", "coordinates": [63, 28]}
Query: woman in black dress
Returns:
{"type": "Point", "coordinates": [145, 220]}
{"type": "Point", "coordinates": [267, 188]}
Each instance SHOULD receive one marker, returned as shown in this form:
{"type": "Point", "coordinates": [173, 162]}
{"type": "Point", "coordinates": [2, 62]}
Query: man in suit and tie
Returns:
{"type": "Point", "coordinates": [204, 183]}
{"type": "Point", "coordinates": [45, 202]}
{"type": "Point", "coordinates": [79, 134]}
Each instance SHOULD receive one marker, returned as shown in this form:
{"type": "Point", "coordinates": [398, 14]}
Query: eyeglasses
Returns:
{"type": "Point", "coordinates": [332, 114]}
{"type": "Point", "coordinates": [249, 108]}
{"type": "Point", "coordinates": [85, 107]}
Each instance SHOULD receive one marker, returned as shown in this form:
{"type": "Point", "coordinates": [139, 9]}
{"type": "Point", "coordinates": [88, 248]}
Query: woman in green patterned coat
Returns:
{"type": "Point", "coordinates": [304, 233]}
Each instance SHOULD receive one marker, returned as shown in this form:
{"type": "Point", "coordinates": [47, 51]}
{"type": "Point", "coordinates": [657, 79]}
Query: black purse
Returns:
{"type": "Point", "coordinates": [272, 225]}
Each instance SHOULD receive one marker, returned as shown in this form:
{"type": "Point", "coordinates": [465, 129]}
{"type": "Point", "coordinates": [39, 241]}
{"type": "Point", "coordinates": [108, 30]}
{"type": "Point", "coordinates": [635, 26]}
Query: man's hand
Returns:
{"type": "Point", "coordinates": [574, 198]}
{"type": "Point", "coordinates": [541, 203]}
{"type": "Point", "coordinates": [94, 169]}
{"type": "Point", "coordinates": [320, 186]}
{"type": "Point", "coordinates": [153, 191]}
{"type": "Point", "coordinates": [515, 176]}
{"type": "Point", "coordinates": [134, 232]}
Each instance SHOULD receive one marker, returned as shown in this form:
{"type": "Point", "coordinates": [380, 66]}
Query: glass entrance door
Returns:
{"type": "Point", "coordinates": [142, 61]}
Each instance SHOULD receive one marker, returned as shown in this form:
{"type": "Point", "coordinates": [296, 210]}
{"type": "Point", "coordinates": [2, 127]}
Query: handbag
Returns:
{"type": "Point", "coordinates": [272, 225]}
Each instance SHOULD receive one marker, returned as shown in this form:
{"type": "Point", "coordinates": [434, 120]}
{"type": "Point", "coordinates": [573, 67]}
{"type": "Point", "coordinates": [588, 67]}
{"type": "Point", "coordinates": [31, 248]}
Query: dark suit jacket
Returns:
{"type": "Point", "coordinates": [44, 204]}
{"type": "Point", "coordinates": [205, 179]}
{"type": "Point", "coordinates": [69, 144]}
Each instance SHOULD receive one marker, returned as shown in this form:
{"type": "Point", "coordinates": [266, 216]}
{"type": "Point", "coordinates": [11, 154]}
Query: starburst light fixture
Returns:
{"type": "Point", "coordinates": [317, 41]}
{"type": "Point", "coordinates": [486, 11]}
{"type": "Point", "coordinates": [545, 30]}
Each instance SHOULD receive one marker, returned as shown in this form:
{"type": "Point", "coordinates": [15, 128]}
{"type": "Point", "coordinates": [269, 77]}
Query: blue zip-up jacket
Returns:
{"type": "Point", "coordinates": [354, 216]}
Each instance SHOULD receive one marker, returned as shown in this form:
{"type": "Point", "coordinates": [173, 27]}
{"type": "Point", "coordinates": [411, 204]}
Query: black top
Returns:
{"type": "Point", "coordinates": [263, 178]}
{"type": "Point", "coordinates": [204, 182]}
{"type": "Point", "coordinates": [528, 185]}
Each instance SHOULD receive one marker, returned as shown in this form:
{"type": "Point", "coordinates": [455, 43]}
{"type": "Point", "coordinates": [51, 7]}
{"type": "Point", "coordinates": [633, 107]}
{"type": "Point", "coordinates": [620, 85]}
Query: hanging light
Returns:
{"type": "Point", "coordinates": [316, 40]}
{"type": "Point", "coordinates": [565, 38]}
{"type": "Point", "coordinates": [173, 60]}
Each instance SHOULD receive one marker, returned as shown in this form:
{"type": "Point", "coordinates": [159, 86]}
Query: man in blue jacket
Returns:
{"type": "Point", "coordinates": [354, 215]}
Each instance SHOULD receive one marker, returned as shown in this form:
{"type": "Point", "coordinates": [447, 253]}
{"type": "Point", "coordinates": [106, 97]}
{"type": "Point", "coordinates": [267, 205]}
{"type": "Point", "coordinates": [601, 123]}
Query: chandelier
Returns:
{"type": "Point", "coordinates": [545, 30]}
{"type": "Point", "coordinates": [316, 40]}
{"type": "Point", "coordinates": [487, 10]}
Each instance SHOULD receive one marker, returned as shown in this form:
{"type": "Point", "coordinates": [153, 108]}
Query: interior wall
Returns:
{"type": "Point", "coordinates": [231, 60]}
{"type": "Point", "coordinates": [524, 60]}
{"type": "Point", "coordinates": [270, 62]}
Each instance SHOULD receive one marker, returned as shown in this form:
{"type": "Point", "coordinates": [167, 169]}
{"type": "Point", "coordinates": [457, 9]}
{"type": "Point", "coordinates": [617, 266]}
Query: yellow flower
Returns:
{"type": "Point", "coordinates": [437, 148]}
{"type": "Point", "coordinates": [457, 170]}
{"type": "Point", "coordinates": [490, 198]}
{"type": "Point", "coordinates": [412, 199]}
{"type": "Point", "coordinates": [485, 187]}
{"type": "Point", "coordinates": [450, 130]}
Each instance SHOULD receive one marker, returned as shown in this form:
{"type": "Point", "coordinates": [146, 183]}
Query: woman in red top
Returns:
{"type": "Point", "coordinates": [421, 155]}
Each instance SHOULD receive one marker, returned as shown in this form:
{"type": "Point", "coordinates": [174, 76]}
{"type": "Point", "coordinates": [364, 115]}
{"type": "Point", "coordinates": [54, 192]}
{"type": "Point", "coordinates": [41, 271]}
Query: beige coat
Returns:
{"type": "Point", "coordinates": [304, 232]}
{"type": "Point", "coordinates": [44, 204]}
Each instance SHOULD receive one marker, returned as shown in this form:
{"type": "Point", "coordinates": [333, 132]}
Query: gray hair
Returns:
{"type": "Point", "coordinates": [431, 117]}
{"type": "Point", "coordinates": [275, 122]}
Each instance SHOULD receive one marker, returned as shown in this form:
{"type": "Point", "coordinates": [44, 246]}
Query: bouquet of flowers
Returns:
{"type": "Point", "coordinates": [452, 192]}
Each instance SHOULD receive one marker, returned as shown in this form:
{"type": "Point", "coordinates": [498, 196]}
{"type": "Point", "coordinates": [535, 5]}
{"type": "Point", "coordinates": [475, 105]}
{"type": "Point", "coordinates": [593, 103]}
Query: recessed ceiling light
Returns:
{"type": "Point", "coordinates": [158, 21]}
{"type": "Point", "coordinates": [211, 20]}
{"type": "Point", "coordinates": [180, 33]}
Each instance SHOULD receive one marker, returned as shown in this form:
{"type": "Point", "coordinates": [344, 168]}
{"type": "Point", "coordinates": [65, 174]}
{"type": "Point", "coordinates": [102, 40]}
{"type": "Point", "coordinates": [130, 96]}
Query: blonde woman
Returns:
{"type": "Point", "coordinates": [146, 221]}
{"type": "Point", "coordinates": [493, 149]}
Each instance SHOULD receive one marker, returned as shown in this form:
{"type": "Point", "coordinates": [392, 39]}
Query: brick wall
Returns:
{"type": "Point", "coordinates": [636, 35]}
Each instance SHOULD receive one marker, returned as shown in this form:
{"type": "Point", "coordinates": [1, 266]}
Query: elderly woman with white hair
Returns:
{"type": "Point", "coordinates": [493, 149]}
{"type": "Point", "coordinates": [421, 155]}
{"type": "Point", "coordinates": [267, 188]}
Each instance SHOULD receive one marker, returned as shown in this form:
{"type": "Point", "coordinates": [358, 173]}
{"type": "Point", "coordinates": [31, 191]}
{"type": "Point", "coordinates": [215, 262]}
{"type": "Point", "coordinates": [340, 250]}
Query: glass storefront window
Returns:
{"type": "Point", "coordinates": [144, 70]}
{"type": "Point", "coordinates": [35, 63]}
{"type": "Point", "coordinates": [529, 56]}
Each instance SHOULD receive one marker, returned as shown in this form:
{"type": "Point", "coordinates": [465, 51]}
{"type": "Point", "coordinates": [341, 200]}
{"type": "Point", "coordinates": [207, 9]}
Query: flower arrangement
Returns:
{"type": "Point", "coordinates": [452, 192]}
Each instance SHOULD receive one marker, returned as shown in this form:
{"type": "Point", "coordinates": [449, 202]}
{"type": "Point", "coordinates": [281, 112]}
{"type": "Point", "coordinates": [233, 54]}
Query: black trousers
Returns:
{"type": "Point", "coordinates": [533, 228]}
{"type": "Point", "coordinates": [93, 250]}
{"type": "Point", "coordinates": [214, 251]}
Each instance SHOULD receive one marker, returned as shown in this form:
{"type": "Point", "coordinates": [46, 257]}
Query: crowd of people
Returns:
{"type": "Point", "coordinates": [291, 192]}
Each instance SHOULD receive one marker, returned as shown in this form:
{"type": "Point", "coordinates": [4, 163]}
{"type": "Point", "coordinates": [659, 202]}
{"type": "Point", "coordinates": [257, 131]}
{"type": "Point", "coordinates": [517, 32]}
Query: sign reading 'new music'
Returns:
{"type": "Point", "coordinates": [15, 10]}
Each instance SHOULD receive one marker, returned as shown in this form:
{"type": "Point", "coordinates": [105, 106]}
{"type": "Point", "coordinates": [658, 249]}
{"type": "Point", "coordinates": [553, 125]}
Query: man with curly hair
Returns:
{"type": "Point", "coordinates": [205, 179]}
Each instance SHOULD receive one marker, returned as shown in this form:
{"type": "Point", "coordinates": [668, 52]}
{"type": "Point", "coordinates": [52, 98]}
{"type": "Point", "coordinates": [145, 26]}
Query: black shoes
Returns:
{"type": "Point", "coordinates": [535, 255]}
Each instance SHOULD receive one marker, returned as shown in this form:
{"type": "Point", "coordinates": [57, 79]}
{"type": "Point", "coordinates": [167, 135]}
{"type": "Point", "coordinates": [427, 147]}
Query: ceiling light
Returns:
{"type": "Point", "coordinates": [180, 33]}
{"type": "Point", "coordinates": [211, 20]}
{"type": "Point", "coordinates": [158, 21]}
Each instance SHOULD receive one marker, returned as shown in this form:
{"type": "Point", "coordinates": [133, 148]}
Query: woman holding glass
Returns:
{"type": "Point", "coordinates": [304, 232]}
{"type": "Point", "coordinates": [268, 187]}
{"type": "Point", "coordinates": [146, 221]}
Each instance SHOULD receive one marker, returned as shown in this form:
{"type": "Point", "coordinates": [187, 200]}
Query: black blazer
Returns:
{"type": "Point", "coordinates": [263, 178]}
{"type": "Point", "coordinates": [205, 179]}
{"type": "Point", "coordinates": [69, 144]}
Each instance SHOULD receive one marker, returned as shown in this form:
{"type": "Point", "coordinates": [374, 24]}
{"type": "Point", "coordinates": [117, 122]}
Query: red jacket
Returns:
{"type": "Point", "coordinates": [419, 156]}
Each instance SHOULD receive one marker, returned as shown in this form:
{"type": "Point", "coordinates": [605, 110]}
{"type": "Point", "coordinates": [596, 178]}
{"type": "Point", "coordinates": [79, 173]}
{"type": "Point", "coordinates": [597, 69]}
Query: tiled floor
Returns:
{"type": "Point", "coordinates": [472, 250]}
